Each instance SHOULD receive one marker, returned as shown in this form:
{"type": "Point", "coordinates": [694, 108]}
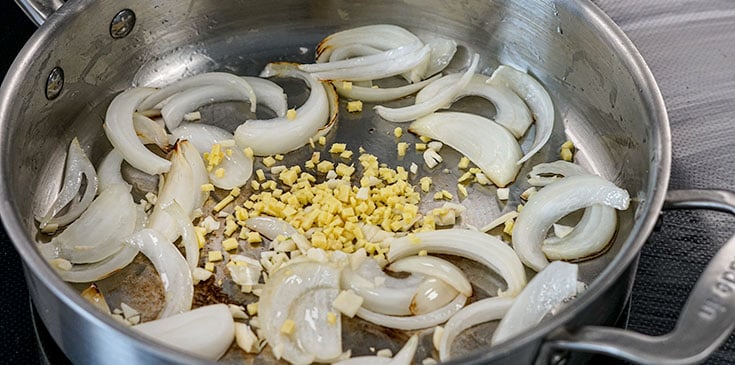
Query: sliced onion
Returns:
{"type": "Point", "coordinates": [281, 135]}
{"type": "Point", "coordinates": [488, 145]}
{"type": "Point", "coordinates": [206, 332]}
{"type": "Point", "coordinates": [380, 36]}
{"type": "Point", "coordinates": [552, 203]}
{"type": "Point", "coordinates": [269, 94]}
{"type": "Point", "coordinates": [545, 173]}
{"type": "Point", "coordinates": [511, 112]}
{"type": "Point", "coordinates": [442, 52]}
{"type": "Point", "coordinates": [87, 273]}
{"type": "Point", "coordinates": [537, 99]}
{"type": "Point", "coordinates": [244, 270]}
{"type": "Point", "coordinates": [271, 228]}
{"type": "Point", "coordinates": [377, 95]}
{"type": "Point", "coordinates": [237, 166]}
{"type": "Point", "coordinates": [363, 60]}
{"type": "Point", "coordinates": [110, 171]}
{"type": "Point", "coordinates": [431, 295]}
{"type": "Point", "coordinates": [78, 169]}
{"type": "Point", "coordinates": [591, 235]}
{"type": "Point", "coordinates": [410, 323]}
{"type": "Point", "coordinates": [281, 292]}
{"type": "Point", "coordinates": [172, 268]}
{"type": "Point", "coordinates": [99, 231]}
{"type": "Point", "coordinates": [333, 99]}
{"type": "Point", "coordinates": [149, 131]}
{"type": "Point", "coordinates": [352, 50]}
{"type": "Point", "coordinates": [483, 248]}
{"type": "Point", "coordinates": [315, 334]}
{"type": "Point", "coordinates": [192, 99]}
{"type": "Point", "coordinates": [436, 267]}
{"type": "Point", "coordinates": [379, 66]}
{"type": "Point", "coordinates": [485, 310]}
{"type": "Point", "coordinates": [183, 184]}
{"type": "Point", "coordinates": [546, 291]}
{"type": "Point", "coordinates": [210, 78]}
{"type": "Point", "coordinates": [409, 113]}
{"type": "Point", "coordinates": [121, 132]}
{"type": "Point", "coordinates": [392, 297]}
{"type": "Point", "coordinates": [186, 229]}
{"type": "Point", "coordinates": [403, 357]}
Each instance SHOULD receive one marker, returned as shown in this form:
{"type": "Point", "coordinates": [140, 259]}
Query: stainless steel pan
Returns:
{"type": "Point", "coordinates": [606, 99]}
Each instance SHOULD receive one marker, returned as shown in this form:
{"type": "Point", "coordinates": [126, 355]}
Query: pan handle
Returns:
{"type": "Point", "coordinates": [39, 10]}
{"type": "Point", "coordinates": [706, 321]}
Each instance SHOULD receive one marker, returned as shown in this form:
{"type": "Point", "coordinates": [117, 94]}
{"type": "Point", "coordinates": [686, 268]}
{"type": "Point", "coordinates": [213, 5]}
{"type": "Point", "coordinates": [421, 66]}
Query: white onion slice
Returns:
{"type": "Point", "coordinates": [206, 332]}
{"type": "Point", "coordinates": [183, 184]}
{"type": "Point", "coordinates": [281, 135]}
{"type": "Point", "coordinates": [442, 52]}
{"type": "Point", "coordinates": [404, 60]}
{"type": "Point", "coordinates": [403, 357]}
{"type": "Point", "coordinates": [149, 131]}
{"type": "Point", "coordinates": [192, 99]}
{"type": "Point", "coordinates": [237, 166]}
{"type": "Point", "coordinates": [314, 332]}
{"type": "Point", "coordinates": [333, 99]}
{"type": "Point", "coordinates": [271, 228]}
{"type": "Point", "coordinates": [172, 268]}
{"type": "Point", "coordinates": [545, 173]}
{"type": "Point", "coordinates": [210, 78]}
{"type": "Point", "coordinates": [537, 99]}
{"type": "Point", "coordinates": [281, 292]}
{"type": "Point", "coordinates": [546, 291]}
{"type": "Point", "coordinates": [99, 231]}
{"type": "Point", "coordinates": [78, 169]}
{"type": "Point", "coordinates": [352, 50]}
{"type": "Point", "coordinates": [410, 323]}
{"type": "Point", "coordinates": [485, 310]}
{"type": "Point", "coordinates": [436, 267]}
{"type": "Point", "coordinates": [380, 36]}
{"type": "Point", "coordinates": [488, 145]}
{"type": "Point", "coordinates": [269, 94]}
{"type": "Point", "coordinates": [109, 171]}
{"type": "Point", "coordinates": [409, 113]}
{"type": "Point", "coordinates": [552, 203]}
{"type": "Point", "coordinates": [392, 297]}
{"type": "Point", "coordinates": [591, 235]}
{"type": "Point", "coordinates": [431, 295]}
{"type": "Point", "coordinates": [363, 60]}
{"type": "Point", "coordinates": [121, 133]}
{"type": "Point", "coordinates": [186, 230]}
{"type": "Point", "coordinates": [511, 112]}
{"type": "Point", "coordinates": [483, 248]}
{"type": "Point", "coordinates": [86, 273]}
{"type": "Point", "coordinates": [377, 95]}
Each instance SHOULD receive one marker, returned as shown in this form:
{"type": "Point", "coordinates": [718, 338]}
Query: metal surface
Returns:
{"type": "Point", "coordinates": [39, 10]}
{"type": "Point", "coordinates": [54, 83]}
{"type": "Point", "coordinates": [606, 99]}
{"type": "Point", "coordinates": [122, 24]}
{"type": "Point", "coordinates": [708, 317]}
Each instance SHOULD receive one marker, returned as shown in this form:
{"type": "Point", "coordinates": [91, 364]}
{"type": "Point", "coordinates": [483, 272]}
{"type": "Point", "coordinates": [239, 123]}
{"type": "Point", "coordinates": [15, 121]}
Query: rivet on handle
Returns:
{"type": "Point", "coordinates": [122, 24]}
{"type": "Point", "coordinates": [54, 83]}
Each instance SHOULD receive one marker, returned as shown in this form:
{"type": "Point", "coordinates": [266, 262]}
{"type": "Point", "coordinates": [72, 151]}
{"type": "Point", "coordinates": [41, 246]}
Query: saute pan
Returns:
{"type": "Point", "coordinates": [607, 103]}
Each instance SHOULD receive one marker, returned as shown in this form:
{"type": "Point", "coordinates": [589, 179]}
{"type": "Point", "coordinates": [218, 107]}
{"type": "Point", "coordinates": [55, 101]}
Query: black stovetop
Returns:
{"type": "Point", "coordinates": [689, 46]}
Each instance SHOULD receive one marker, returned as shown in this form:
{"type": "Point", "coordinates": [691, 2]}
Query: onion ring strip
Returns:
{"type": "Point", "coordinates": [483, 248]}
{"type": "Point", "coordinates": [172, 268]}
{"type": "Point", "coordinates": [210, 78]}
{"type": "Point", "coordinates": [537, 99]}
{"type": "Point", "coordinates": [552, 203]}
{"type": "Point", "coordinates": [121, 133]}
{"type": "Point", "coordinates": [485, 310]}
{"type": "Point", "coordinates": [77, 166]}
{"type": "Point", "coordinates": [410, 323]}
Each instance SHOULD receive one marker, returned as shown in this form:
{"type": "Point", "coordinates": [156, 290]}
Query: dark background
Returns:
{"type": "Point", "coordinates": [689, 46]}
